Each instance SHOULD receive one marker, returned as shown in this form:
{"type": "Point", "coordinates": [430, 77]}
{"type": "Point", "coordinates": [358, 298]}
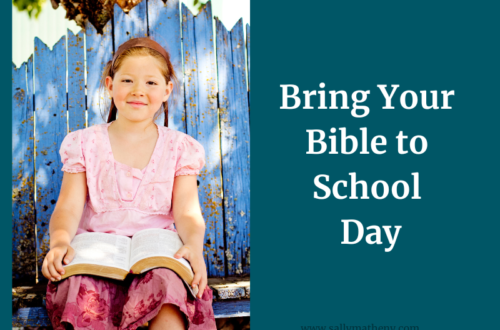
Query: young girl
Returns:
{"type": "Point", "coordinates": [121, 177]}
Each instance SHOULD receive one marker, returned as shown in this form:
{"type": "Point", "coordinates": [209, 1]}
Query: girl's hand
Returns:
{"type": "Point", "coordinates": [198, 264]}
{"type": "Point", "coordinates": [52, 267]}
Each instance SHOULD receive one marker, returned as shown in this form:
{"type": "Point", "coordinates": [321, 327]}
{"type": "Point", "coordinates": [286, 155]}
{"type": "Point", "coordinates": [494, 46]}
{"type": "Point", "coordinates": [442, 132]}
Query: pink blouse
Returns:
{"type": "Point", "coordinates": [121, 199]}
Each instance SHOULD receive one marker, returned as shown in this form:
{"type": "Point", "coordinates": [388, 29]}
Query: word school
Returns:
{"type": "Point", "coordinates": [292, 101]}
{"type": "Point", "coordinates": [379, 189]}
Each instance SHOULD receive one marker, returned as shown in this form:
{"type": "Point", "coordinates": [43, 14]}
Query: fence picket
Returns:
{"type": "Point", "coordinates": [235, 145]}
{"type": "Point", "coordinates": [76, 81]}
{"type": "Point", "coordinates": [202, 124]}
{"type": "Point", "coordinates": [50, 130]}
{"type": "Point", "coordinates": [165, 28]}
{"type": "Point", "coordinates": [23, 204]}
{"type": "Point", "coordinates": [99, 50]}
{"type": "Point", "coordinates": [248, 58]}
{"type": "Point", "coordinates": [129, 25]}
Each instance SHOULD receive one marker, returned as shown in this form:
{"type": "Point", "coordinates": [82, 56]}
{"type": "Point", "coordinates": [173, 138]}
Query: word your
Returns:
{"type": "Point", "coordinates": [375, 144]}
{"type": "Point", "coordinates": [364, 195]}
{"type": "Point", "coordinates": [373, 238]}
{"type": "Point", "coordinates": [358, 97]}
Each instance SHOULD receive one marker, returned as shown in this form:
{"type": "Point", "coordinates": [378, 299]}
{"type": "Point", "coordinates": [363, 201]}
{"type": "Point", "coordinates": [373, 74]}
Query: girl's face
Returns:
{"type": "Point", "coordinates": [138, 88]}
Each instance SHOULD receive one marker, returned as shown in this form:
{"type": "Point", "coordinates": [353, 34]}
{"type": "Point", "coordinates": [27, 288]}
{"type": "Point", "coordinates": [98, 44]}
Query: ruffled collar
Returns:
{"type": "Point", "coordinates": [148, 173]}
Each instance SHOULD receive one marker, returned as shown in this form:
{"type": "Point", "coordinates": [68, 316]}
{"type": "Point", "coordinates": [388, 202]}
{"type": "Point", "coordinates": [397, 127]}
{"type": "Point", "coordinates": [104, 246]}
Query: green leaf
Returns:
{"type": "Point", "coordinates": [30, 6]}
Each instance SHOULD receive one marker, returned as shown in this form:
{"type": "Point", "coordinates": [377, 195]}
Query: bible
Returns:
{"type": "Point", "coordinates": [115, 256]}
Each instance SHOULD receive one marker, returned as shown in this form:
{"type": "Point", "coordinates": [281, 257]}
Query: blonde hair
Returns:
{"type": "Point", "coordinates": [166, 68]}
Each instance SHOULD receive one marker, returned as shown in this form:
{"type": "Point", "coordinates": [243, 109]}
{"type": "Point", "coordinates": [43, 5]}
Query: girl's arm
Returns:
{"type": "Point", "coordinates": [190, 225]}
{"type": "Point", "coordinates": [64, 223]}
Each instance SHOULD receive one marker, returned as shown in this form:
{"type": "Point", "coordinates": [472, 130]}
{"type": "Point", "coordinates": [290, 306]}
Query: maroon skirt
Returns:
{"type": "Point", "coordinates": [88, 302]}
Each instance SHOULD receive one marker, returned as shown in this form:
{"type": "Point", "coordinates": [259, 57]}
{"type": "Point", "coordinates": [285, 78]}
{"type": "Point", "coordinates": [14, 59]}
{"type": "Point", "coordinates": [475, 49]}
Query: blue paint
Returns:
{"type": "Point", "coordinates": [23, 206]}
{"type": "Point", "coordinates": [76, 82]}
{"type": "Point", "coordinates": [50, 130]}
{"type": "Point", "coordinates": [235, 145]}
{"type": "Point", "coordinates": [202, 124]}
{"type": "Point", "coordinates": [99, 50]}
{"type": "Point", "coordinates": [165, 28]}
{"type": "Point", "coordinates": [248, 59]}
{"type": "Point", "coordinates": [231, 308]}
{"type": "Point", "coordinates": [131, 25]}
{"type": "Point", "coordinates": [31, 317]}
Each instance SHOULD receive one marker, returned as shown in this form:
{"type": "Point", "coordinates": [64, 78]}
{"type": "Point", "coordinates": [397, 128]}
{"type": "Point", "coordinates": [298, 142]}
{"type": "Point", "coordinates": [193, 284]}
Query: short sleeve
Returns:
{"type": "Point", "coordinates": [190, 157]}
{"type": "Point", "coordinates": [72, 154]}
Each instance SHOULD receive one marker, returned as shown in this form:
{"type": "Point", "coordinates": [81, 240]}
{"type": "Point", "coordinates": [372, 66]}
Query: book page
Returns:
{"type": "Point", "coordinates": [101, 249]}
{"type": "Point", "coordinates": [156, 243]}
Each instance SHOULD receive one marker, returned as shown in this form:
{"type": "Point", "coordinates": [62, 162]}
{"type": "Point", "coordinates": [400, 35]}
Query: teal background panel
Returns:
{"type": "Point", "coordinates": [442, 272]}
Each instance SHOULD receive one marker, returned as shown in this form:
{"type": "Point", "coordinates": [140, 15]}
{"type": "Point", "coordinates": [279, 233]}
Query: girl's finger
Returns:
{"type": "Point", "coordinates": [202, 286]}
{"type": "Point", "coordinates": [69, 255]}
{"type": "Point", "coordinates": [181, 253]}
{"type": "Point", "coordinates": [45, 271]}
{"type": "Point", "coordinates": [48, 260]}
{"type": "Point", "coordinates": [54, 275]}
{"type": "Point", "coordinates": [196, 279]}
{"type": "Point", "coordinates": [58, 263]}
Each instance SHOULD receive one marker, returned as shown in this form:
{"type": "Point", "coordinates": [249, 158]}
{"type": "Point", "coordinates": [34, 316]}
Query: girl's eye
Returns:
{"type": "Point", "coordinates": [149, 82]}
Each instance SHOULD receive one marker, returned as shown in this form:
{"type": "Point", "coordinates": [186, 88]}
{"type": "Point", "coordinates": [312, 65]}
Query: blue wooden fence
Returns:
{"type": "Point", "coordinates": [213, 107]}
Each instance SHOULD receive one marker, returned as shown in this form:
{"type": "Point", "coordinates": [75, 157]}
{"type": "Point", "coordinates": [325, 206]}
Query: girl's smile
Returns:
{"type": "Point", "coordinates": [136, 104]}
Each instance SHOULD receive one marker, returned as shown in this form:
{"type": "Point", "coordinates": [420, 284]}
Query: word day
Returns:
{"type": "Point", "coordinates": [374, 237]}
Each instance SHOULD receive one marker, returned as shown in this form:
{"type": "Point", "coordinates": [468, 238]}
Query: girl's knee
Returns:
{"type": "Point", "coordinates": [170, 309]}
{"type": "Point", "coordinates": [171, 315]}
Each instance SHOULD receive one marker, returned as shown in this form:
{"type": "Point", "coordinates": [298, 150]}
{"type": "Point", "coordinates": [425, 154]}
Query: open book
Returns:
{"type": "Point", "coordinates": [115, 256]}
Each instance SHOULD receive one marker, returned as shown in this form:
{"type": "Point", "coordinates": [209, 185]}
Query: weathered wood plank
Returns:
{"type": "Point", "coordinates": [30, 317]}
{"type": "Point", "coordinates": [23, 170]}
{"type": "Point", "coordinates": [202, 124]}
{"type": "Point", "coordinates": [165, 28]}
{"type": "Point", "coordinates": [50, 130]}
{"type": "Point", "coordinates": [248, 58]}
{"type": "Point", "coordinates": [228, 308]}
{"type": "Point", "coordinates": [99, 50]}
{"type": "Point", "coordinates": [235, 145]}
{"type": "Point", "coordinates": [76, 82]}
{"type": "Point", "coordinates": [230, 292]}
{"type": "Point", "coordinates": [230, 287]}
{"type": "Point", "coordinates": [130, 25]}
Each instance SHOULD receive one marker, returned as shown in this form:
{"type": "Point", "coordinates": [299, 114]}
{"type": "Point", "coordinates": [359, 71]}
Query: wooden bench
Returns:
{"type": "Point", "coordinates": [213, 108]}
{"type": "Point", "coordinates": [231, 299]}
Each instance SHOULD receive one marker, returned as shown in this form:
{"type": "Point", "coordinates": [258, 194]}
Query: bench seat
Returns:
{"type": "Point", "coordinates": [231, 299]}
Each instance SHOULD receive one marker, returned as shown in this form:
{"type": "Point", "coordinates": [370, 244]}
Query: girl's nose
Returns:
{"type": "Point", "coordinates": [137, 91]}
